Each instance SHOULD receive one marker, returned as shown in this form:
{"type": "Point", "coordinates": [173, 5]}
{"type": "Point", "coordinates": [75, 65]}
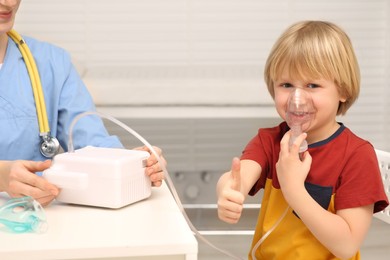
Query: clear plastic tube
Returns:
{"type": "Point", "coordinates": [166, 174]}
{"type": "Point", "coordinates": [261, 240]}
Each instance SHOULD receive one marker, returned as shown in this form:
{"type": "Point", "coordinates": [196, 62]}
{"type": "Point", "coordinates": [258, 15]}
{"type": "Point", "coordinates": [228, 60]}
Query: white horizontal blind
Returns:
{"type": "Point", "coordinates": [206, 52]}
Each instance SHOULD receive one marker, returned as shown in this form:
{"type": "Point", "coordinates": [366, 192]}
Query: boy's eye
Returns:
{"type": "Point", "coordinates": [286, 85]}
{"type": "Point", "coordinates": [311, 85]}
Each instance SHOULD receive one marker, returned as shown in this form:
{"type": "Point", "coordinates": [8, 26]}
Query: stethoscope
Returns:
{"type": "Point", "coordinates": [49, 145]}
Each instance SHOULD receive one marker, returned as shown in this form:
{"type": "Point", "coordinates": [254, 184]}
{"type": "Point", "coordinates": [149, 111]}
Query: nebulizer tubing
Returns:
{"type": "Point", "coordinates": [261, 240]}
{"type": "Point", "coordinates": [166, 174]}
{"type": "Point", "coordinates": [300, 112]}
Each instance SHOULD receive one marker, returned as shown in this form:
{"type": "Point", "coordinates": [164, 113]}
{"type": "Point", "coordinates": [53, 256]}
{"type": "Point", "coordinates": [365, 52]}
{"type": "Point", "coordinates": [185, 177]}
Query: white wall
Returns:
{"type": "Point", "coordinates": [206, 53]}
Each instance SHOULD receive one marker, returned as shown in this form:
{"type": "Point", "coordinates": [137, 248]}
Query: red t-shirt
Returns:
{"type": "Point", "coordinates": [344, 174]}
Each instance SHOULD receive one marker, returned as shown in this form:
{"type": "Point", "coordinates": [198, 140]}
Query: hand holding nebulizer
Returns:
{"type": "Point", "coordinates": [299, 114]}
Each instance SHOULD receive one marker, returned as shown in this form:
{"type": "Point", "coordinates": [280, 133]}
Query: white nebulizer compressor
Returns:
{"type": "Point", "coordinates": [101, 177]}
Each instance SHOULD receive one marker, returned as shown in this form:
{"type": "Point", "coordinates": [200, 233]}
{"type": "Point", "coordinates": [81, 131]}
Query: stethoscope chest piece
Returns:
{"type": "Point", "coordinates": [49, 146]}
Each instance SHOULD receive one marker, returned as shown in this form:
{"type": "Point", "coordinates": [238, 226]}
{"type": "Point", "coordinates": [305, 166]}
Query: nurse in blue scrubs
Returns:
{"type": "Point", "coordinates": [65, 96]}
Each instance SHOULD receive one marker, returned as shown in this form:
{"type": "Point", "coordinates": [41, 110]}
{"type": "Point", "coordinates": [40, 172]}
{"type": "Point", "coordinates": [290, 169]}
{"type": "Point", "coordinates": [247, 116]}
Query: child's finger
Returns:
{"type": "Point", "coordinates": [298, 142]}
{"type": "Point", "coordinates": [236, 174]}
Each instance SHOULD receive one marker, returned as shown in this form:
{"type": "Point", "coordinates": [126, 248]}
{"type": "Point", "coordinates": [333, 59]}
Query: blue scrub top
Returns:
{"type": "Point", "coordinates": [66, 96]}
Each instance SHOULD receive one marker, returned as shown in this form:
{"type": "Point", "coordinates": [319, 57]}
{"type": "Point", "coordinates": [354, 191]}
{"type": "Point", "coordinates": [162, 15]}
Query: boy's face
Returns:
{"type": "Point", "coordinates": [326, 99]}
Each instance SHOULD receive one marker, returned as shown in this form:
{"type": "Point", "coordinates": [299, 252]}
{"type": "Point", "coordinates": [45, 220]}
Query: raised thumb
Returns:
{"type": "Point", "coordinates": [236, 174]}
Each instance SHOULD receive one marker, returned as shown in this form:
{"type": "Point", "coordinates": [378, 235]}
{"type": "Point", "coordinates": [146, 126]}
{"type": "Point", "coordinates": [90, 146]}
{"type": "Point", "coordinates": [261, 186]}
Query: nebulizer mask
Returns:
{"type": "Point", "coordinates": [22, 215]}
{"type": "Point", "coordinates": [299, 114]}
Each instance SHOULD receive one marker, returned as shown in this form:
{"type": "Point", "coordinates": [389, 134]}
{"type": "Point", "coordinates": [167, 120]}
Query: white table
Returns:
{"type": "Point", "coordinates": [150, 229]}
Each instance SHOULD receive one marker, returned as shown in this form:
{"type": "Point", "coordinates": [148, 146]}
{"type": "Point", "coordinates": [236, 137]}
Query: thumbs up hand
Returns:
{"type": "Point", "coordinates": [230, 198]}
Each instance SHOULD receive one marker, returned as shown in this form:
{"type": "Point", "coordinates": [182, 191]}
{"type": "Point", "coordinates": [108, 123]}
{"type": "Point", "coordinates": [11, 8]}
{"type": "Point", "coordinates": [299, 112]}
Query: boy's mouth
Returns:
{"type": "Point", "coordinates": [299, 117]}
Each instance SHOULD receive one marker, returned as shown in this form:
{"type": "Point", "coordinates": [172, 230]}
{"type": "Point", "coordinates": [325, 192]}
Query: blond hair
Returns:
{"type": "Point", "coordinates": [312, 50]}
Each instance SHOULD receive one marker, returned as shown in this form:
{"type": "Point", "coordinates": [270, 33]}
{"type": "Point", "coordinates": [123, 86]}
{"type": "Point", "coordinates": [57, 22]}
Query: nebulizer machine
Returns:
{"type": "Point", "coordinates": [300, 112]}
{"type": "Point", "coordinates": [84, 173]}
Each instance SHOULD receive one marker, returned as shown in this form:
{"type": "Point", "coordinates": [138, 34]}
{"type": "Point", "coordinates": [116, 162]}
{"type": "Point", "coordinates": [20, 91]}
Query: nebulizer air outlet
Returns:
{"type": "Point", "coordinates": [299, 114]}
{"type": "Point", "coordinates": [21, 215]}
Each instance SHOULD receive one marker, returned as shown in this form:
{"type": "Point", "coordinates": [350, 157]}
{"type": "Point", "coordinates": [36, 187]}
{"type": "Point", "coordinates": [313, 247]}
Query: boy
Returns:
{"type": "Point", "coordinates": [319, 204]}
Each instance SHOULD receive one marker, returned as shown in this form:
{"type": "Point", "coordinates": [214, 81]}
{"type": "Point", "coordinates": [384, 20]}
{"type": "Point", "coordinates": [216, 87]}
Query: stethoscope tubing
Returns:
{"type": "Point", "coordinates": [31, 66]}
{"type": "Point", "coordinates": [49, 145]}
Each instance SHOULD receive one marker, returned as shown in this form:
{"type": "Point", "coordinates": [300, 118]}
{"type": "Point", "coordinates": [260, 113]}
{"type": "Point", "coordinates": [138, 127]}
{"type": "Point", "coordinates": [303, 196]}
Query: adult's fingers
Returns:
{"type": "Point", "coordinates": [28, 177]}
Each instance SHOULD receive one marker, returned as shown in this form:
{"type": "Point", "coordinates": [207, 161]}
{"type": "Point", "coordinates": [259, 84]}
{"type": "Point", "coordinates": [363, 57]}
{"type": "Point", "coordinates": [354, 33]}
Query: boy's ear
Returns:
{"type": "Point", "coordinates": [343, 99]}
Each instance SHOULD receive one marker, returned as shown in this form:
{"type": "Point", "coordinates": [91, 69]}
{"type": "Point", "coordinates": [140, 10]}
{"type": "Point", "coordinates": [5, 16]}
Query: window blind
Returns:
{"type": "Point", "coordinates": [206, 52]}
